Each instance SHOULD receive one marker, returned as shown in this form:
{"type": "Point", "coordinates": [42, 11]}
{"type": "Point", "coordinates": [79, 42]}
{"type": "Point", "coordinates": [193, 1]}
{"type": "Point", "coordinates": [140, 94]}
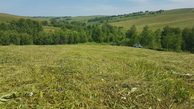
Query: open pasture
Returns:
{"type": "Point", "coordinates": [95, 76]}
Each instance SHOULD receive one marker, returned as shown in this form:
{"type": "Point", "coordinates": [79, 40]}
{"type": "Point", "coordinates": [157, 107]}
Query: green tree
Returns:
{"type": "Point", "coordinates": [14, 37]}
{"type": "Point", "coordinates": [188, 39]}
{"type": "Point", "coordinates": [54, 22]}
{"type": "Point", "coordinates": [97, 34]}
{"type": "Point", "coordinates": [82, 37]}
{"type": "Point", "coordinates": [46, 38]}
{"type": "Point", "coordinates": [26, 39]}
{"type": "Point", "coordinates": [171, 38]}
{"type": "Point", "coordinates": [176, 41]}
{"type": "Point", "coordinates": [133, 36]}
{"type": "Point", "coordinates": [71, 38]}
{"type": "Point", "coordinates": [130, 33]}
{"type": "Point", "coordinates": [4, 26]}
{"type": "Point", "coordinates": [192, 38]}
{"type": "Point", "coordinates": [45, 23]}
{"type": "Point", "coordinates": [148, 38]}
{"type": "Point", "coordinates": [79, 37]}
{"type": "Point", "coordinates": [158, 34]}
{"type": "Point", "coordinates": [4, 38]}
{"type": "Point", "coordinates": [37, 39]}
{"type": "Point", "coordinates": [186, 43]}
{"type": "Point", "coordinates": [107, 29]}
{"type": "Point", "coordinates": [145, 36]}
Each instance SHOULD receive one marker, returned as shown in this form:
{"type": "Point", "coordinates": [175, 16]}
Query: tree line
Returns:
{"type": "Point", "coordinates": [109, 18]}
{"type": "Point", "coordinates": [27, 32]}
{"type": "Point", "coordinates": [169, 38]}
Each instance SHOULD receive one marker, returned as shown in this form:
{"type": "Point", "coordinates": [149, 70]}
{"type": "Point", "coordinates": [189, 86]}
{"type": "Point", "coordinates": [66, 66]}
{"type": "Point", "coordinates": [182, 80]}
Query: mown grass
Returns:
{"type": "Point", "coordinates": [95, 76]}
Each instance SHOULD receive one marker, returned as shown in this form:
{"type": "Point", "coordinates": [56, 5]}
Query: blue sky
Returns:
{"type": "Point", "coordinates": [87, 7]}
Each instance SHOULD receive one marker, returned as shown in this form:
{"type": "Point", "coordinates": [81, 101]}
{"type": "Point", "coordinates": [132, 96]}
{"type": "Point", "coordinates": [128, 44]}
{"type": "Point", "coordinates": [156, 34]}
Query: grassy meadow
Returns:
{"type": "Point", "coordinates": [174, 18]}
{"type": "Point", "coordinates": [179, 11]}
{"type": "Point", "coordinates": [95, 76]}
{"type": "Point", "coordinates": [159, 22]}
{"type": "Point", "coordinates": [49, 28]}
{"type": "Point", "coordinates": [8, 18]}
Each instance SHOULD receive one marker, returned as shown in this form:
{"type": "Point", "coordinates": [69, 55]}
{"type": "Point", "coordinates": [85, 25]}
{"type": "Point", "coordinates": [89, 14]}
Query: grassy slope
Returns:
{"type": "Point", "coordinates": [78, 18]}
{"type": "Point", "coordinates": [8, 17]}
{"type": "Point", "coordinates": [84, 18]}
{"type": "Point", "coordinates": [181, 20]}
{"type": "Point", "coordinates": [179, 11]}
{"type": "Point", "coordinates": [95, 76]}
{"type": "Point", "coordinates": [176, 18]}
{"type": "Point", "coordinates": [48, 28]}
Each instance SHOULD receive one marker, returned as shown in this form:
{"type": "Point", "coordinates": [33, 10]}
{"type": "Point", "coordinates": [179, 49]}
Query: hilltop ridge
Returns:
{"type": "Point", "coordinates": [182, 18]}
{"type": "Point", "coordinates": [8, 17]}
{"type": "Point", "coordinates": [154, 19]}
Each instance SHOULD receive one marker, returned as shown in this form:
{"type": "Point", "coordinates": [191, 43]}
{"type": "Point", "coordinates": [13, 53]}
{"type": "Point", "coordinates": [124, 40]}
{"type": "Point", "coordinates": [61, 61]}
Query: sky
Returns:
{"type": "Point", "coordinates": [87, 7]}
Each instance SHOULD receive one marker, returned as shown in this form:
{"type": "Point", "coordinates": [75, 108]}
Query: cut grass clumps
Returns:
{"type": "Point", "coordinates": [94, 76]}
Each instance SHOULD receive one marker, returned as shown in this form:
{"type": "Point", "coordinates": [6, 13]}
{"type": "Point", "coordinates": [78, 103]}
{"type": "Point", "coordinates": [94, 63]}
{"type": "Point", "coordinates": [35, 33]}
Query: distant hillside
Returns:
{"type": "Point", "coordinates": [179, 11]}
{"type": "Point", "coordinates": [154, 19]}
{"type": "Point", "coordinates": [8, 17]}
{"type": "Point", "coordinates": [69, 18]}
{"type": "Point", "coordinates": [176, 18]}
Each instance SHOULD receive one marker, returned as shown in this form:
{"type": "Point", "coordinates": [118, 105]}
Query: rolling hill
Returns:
{"type": "Point", "coordinates": [154, 19]}
{"type": "Point", "coordinates": [176, 18]}
{"type": "Point", "coordinates": [8, 17]}
{"type": "Point", "coordinates": [69, 18]}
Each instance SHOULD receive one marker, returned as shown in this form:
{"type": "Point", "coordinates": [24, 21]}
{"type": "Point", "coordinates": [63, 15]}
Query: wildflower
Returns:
{"type": "Point", "coordinates": [124, 98]}
{"type": "Point", "coordinates": [59, 89]}
{"type": "Point", "coordinates": [133, 89]}
{"type": "Point", "coordinates": [159, 99]}
{"type": "Point", "coordinates": [31, 94]}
